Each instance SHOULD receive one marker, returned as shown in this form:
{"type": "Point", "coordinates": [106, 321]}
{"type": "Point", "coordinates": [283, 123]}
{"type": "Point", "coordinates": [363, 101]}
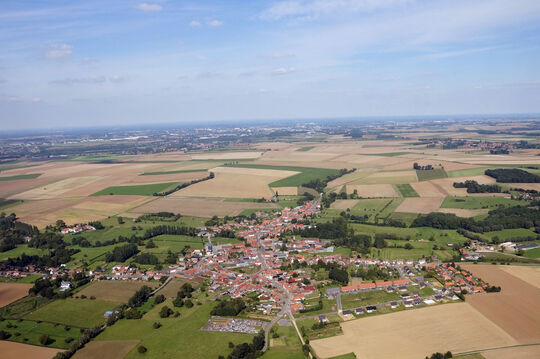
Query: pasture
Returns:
{"type": "Point", "coordinates": [114, 349]}
{"type": "Point", "coordinates": [406, 190]}
{"type": "Point", "coordinates": [464, 329]}
{"type": "Point", "coordinates": [480, 202]}
{"type": "Point", "coordinates": [28, 332]}
{"type": "Point", "coordinates": [118, 291]}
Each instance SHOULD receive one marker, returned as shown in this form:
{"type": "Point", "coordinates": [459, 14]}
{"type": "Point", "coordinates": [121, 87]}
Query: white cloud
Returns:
{"type": "Point", "coordinates": [283, 71]}
{"type": "Point", "coordinates": [117, 78]}
{"type": "Point", "coordinates": [36, 99]}
{"type": "Point", "coordinates": [194, 23]}
{"type": "Point", "coordinates": [57, 51]}
{"type": "Point", "coordinates": [215, 23]}
{"type": "Point", "coordinates": [148, 7]}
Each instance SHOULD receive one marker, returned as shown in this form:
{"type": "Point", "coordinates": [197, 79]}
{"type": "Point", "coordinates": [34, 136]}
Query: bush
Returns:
{"type": "Point", "coordinates": [4, 334]}
{"type": "Point", "coordinates": [141, 349]}
{"type": "Point", "coordinates": [156, 325]}
{"type": "Point", "coordinates": [165, 312]}
{"type": "Point", "coordinates": [44, 339]}
{"type": "Point", "coordinates": [159, 299]}
{"type": "Point", "coordinates": [68, 339]}
{"type": "Point", "coordinates": [189, 303]}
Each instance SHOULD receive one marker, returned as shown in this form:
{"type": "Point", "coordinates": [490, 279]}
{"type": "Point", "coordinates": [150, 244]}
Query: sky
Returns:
{"type": "Point", "coordinates": [101, 62]}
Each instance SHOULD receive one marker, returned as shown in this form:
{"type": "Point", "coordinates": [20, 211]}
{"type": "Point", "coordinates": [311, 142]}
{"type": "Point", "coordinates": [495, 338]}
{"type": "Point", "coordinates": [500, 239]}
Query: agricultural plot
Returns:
{"type": "Point", "coordinates": [344, 203]}
{"type": "Point", "coordinates": [11, 350]}
{"type": "Point", "coordinates": [389, 177]}
{"type": "Point", "coordinates": [372, 190]}
{"type": "Point", "coordinates": [512, 353]}
{"type": "Point", "coordinates": [226, 155]}
{"type": "Point", "coordinates": [28, 332]}
{"type": "Point", "coordinates": [349, 301]}
{"type": "Point", "coordinates": [428, 189]}
{"type": "Point", "coordinates": [406, 190]}
{"type": "Point", "coordinates": [56, 189]}
{"type": "Point", "coordinates": [465, 329]}
{"type": "Point", "coordinates": [118, 291]}
{"type": "Point", "coordinates": [140, 190]}
{"type": "Point", "coordinates": [529, 274]}
{"type": "Point", "coordinates": [427, 175]}
{"type": "Point", "coordinates": [20, 177]}
{"type": "Point", "coordinates": [420, 205]}
{"type": "Point", "coordinates": [480, 202]}
{"type": "Point", "coordinates": [10, 292]}
{"type": "Point", "coordinates": [114, 349]}
{"type": "Point", "coordinates": [84, 313]}
{"type": "Point", "coordinates": [465, 213]}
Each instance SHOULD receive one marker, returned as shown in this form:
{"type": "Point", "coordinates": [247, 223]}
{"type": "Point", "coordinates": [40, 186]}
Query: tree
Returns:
{"type": "Point", "coordinates": [188, 303]}
{"type": "Point", "coordinates": [142, 349]}
{"type": "Point", "coordinates": [44, 339]}
{"type": "Point", "coordinates": [165, 312]}
{"type": "Point", "coordinates": [140, 296]}
{"type": "Point", "coordinates": [160, 298]}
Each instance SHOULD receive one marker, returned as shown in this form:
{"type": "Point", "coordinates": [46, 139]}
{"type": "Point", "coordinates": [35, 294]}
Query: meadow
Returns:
{"type": "Point", "coordinates": [28, 332]}
{"type": "Point", "coordinates": [20, 177]}
{"type": "Point", "coordinates": [427, 175]}
{"type": "Point", "coordinates": [406, 190]}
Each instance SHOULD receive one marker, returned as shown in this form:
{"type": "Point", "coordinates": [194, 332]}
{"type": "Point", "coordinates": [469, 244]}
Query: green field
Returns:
{"type": "Point", "coordinates": [406, 190]}
{"type": "Point", "coordinates": [178, 337]}
{"type": "Point", "coordinates": [21, 248]}
{"type": "Point", "coordinates": [30, 331]}
{"type": "Point", "coordinates": [20, 177]}
{"type": "Point", "coordinates": [84, 313]}
{"type": "Point", "coordinates": [467, 172]}
{"type": "Point", "coordinates": [306, 174]}
{"type": "Point", "coordinates": [431, 174]}
{"type": "Point", "coordinates": [171, 172]}
{"type": "Point", "coordinates": [480, 202]}
{"type": "Point", "coordinates": [286, 346]}
{"type": "Point", "coordinates": [532, 253]}
{"type": "Point", "coordinates": [350, 301]}
{"type": "Point", "coordinates": [305, 149]}
{"type": "Point", "coordinates": [508, 234]}
{"type": "Point", "coordinates": [141, 190]}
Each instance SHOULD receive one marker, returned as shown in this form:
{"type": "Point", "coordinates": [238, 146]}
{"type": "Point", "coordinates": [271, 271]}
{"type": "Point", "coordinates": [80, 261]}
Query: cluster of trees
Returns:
{"type": "Point", "coordinates": [121, 253]}
{"type": "Point", "coordinates": [493, 289]}
{"type": "Point", "coordinates": [475, 187]}
{"type": "Point", "coordinates": [319, 185]}
{"type": "Point", "coordinates": [373, 272]}
{"type": "Point", "coordinates": [336, 229]}
{"type": "Point", "coordinates": [248, 350]}
{"type": "Point", "coordinates": [512, 175]}
{"type": "Point", "coordinates": [146, 258]}
{"type": "Point", "coordinates": [229, 307]}
{"type": "Point", "coordinates": [185, 292]}
{"type": "Point", "coordinates": [158, 215]}
{"type": "Point", "coordinates": [339, 275]}
{"type": "Point", "coordinates": [140, 296]}
{"type": "Point", "coordinates": [13, 232]}
{"type": "Point", "coordinates": [183, 185]}
{"type": "Point", "coordinates": [417, 167]}
{"type": "Point", "coordinates": [438, 355]}
{"type": "Point", "coordinates": [87, 336]}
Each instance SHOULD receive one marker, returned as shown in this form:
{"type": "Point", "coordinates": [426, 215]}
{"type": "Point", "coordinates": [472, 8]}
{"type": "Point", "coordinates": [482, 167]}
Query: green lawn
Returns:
{"type": "Point", "coordinates": [431, 174]}
{"type": "Point", "coordinates": [306, 174]}
{"type": "Point", "coordinates": [141, 190]}
{"type": "Point", "coordinates": [350, 301]}
{"type": "Point", "coordinates": [20, 177]}
{"type": "Point", "coordinates": [532, 253]}
{"type": "Point", "coordinates": [178, 337]}
{"type": "Point", "coordinates": [26, 280]}
{"type": "Point", "coordinates": [480, 202]}
{"type": "Point", "coordinates": [30, 331]}
{"type": "Point", "coordinates": [406, 190]}
{"type": "Point", "coordinates": [508, 234]}
{"type": "Point", "coordinates": [84, 313]}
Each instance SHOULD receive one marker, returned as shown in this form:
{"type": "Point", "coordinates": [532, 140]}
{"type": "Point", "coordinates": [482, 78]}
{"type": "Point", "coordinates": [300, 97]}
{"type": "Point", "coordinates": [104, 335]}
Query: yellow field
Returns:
{"type": "Point", "coordinates": [528, 274]}
{"type": "Point", "coordinates": [286, 191]}
{"type": "Point", "coordinates": [419, 205]}
{"type": "Point", "coordinates": [514, 353]}
{"type": "Point", "coordinates": [465, 213]}
{"type": "Point", "coordinates": [56, 189]}
{"type": "Point", "coordinates": [412, 334]}
{"type": "Point", "coordinates": [427, 189]}
{"type": "Point", "coordinates": [372, 190]}
{"type": "Point", "coordinates": [12, 350]}
{"type": "Point", "coordinates": [226, 155]}
{"type": "Point", "coordinates": [344, 203]}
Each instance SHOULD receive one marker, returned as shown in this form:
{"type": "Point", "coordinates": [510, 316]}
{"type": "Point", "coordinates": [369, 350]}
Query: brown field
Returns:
{"type": "Point", "coordinates": [349, 177]}
{"type": "Point", "coordinates": [226, 155]}
{"type": "Point", "coordinates": [109, 349]}
{"type": "Point", "coordinates": [10, 292]}
{"type": "Point", "coordinates": [344, 203]}
{"type": "Point", "coordinates": [420, 205]}
{"type": "Point", "coordinates": [532, 352]}
{"type": "Point", "coordinates": [529, 274]}
{"type": "Point", "coordinates": [173, 177]}
{"type": "Point", "coordinates": [172, 288]}
{"type": "Point", "coordinates": [286, 191]}
{"type": "Point", "coordinates": [56, 189]}
{"type": "Point", "coordinates": [446, 185]}
{"type": "Point", "coordinates": [114, 290]}
{"type": "Point", "coordinates": [533, 186]}
{"type": "Point", "coordinates": [12, 350]}
{"type": "Point", "coordinates": [465, 213]}
{"type": "Point", "coordinates": [372, 190]}
{"type": "Point", "coordinates": [516, 309]}
{"type": "Point", "coordinates": [200, 207]}
{"type": "Point", "coordinates": [411, 334]}
{"type": "Point", "coordinates": [389, 177]}
{"type": "Point", "coordinates": [427, 189]}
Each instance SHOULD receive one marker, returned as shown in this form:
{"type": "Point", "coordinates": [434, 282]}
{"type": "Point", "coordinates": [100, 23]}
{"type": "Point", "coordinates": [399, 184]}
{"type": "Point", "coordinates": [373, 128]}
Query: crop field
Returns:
{"type": "Point", "coordinates": [431, 174]}
{"type": "Point", "coordinates": [406, 190]}
{"type": "Point", "coordinates": [465, 213]}
{"type": "Point", "coordinates": [389, 177]}
{"type": "Point", "coordinates": [237, 155]}
{"type": "Point", "coordinates": [372, 190]}
{"type": "Point", "coordinates": [118, 291]}
{"type": "Point", "coordinates": [114, 349]}
{"type": "Point", "coordinates": [140, 190]}
{"type": "Point", "coordinates": [428, 189]}
{"type": "Point", "coordinates": [20, 177]}
{"type": "Point", "coordinates": [532, 352]}
{"type": "Point", "coordinates": [84, 313]}
{"type": "Point", "coordinates": [344, 203]}
{"type": "Point", "coordinates": [465, 329]}
{"type": "Point", "coordinates": [529, 274]}
{"type": "Point", "coordinates": [11, 350]}
{"type": "Point", "coordinates": [480, 202]}
{"type": "Point", "coordinates": [516, 309]}
{"type": "Point", "coordinates": [286, 191]}
{"type": "Point", "coordinates": [10, 292]}
{"type": "Point", "coordinates": [56, 189]}
{"type": "Point", "coordinates": [305, 149]}
{"type": "Point", "coordinates": [420, 205]}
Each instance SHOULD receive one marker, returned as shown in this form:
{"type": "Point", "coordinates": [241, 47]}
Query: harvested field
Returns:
{"type": "Point", "coordinates": [344, 203]}
{"type": "Point", "coordinates": [446, 185]}
{"type": "Point", "coordinates": [420, 205]}
{"type": "Point", "coordinates": [243, 171]}
{"type": "Point", "coordinates": [114, 290]}
{"type": "Point", "coordinates": [372, 190]}
{"type": "Point", "coordinates": [286, 191]}
{"type": "Point", "coordinates": [533, 186]}
{"type": "Point", "coordinates": [464, 329]}
{"type": "Point", "coordinates": [200, 207]}
{"type": "Point", "coordinates": [427, 189]}
{"type": "Point", "coordinates": [349, 177]}
{"type": "Point", "coordinates": [10, 292]}
{"type": "Point", "coordinates": [532, 352]}
{"type": "Point", "coordinates": [106, 349]}
{"type": "Point", "coordinates": [12, 350]}
{"type": "Point", "coordinates": [56, 189]}
{"type": "Point", "coordinates": [465, 213]}
{"type": "Point", "coordinates": [529, 274]}
{"type": "Point", "coordinates": [226, 155]}
{"type": "Point", "coordinates": [447, 165]}
{"type": "Point", "coordinates": [516, 309]}
{"type": "Point", "coordinates": [162, 178]}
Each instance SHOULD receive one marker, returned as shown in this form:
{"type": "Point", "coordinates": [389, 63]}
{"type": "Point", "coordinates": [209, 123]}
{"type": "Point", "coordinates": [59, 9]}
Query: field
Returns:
{"type": "Point", "coordinates": [140, 190]}
{"type": "Point", "coordinates": [113, 291]}
{"type": "Point", "coordinates": [419, 205]}
{"type": "Point", "coordinates": [172, 288]}
{"type": "Point", "coordinates": [532, 352]}
{"type": "Point", "coordinates": [431, 174]}
{"type": "Point", "coordinates": [516, 309]}
{"type": "Point", "coordinates": [56, 189]}
{"type": "Point", "coordinates": [464, 329]}
{"type": "Point", "coordinates": [84, 313]}
{"type": "Point", "coordinates": [287, 345]}
{"type": "Point", "coordinates": [372, 190]}
{"type": "Point", "coordinates": [479, 202]}
{"type": "Point", "coordinates": [20, 177]}
{"type": "Point", "coordinates": [28, 332]}
{"type": "Point", "coordinates": [10, 292]}
{"type": "Point", "coordinates": [11, 350]}
{"type": "Point", "coordinates": [115, 349]}
{"type": "Point", "coordinates": [406, 190]}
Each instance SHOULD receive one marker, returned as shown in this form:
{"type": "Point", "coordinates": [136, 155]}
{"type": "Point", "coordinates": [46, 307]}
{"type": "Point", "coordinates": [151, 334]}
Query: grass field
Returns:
{"type": "Point", "coordinates": [387, 154]}
{"type": "Point", "coordinates": [287, 345]}
{"type": "Point", "coordinates": [114, 291]}
{"type": "Point", "coordinates": [305, 149]}
{"type": "Point", "coordinates": [406, 190]}
{"type": "Point", "coordinates": [532, 253]}
{"type": "Point", "coordinates": [431, 174]}
{"type": "Point", "coordinates": [22, 248]}
{"type": "Point", "coordinates": [84, 313]}
{"type": "Point", "coordinates": [306, 174]}
{"type": "Point", "coordinates": [349, 301]}
{"type": "Point", "coordinates": [30, 331]}
{"type": "Point", "coordinates": [480, 202]}
{"type": "Point", "coordinates": [467, 172]}
{"type": "Point", "coordinates": [141, 190]}
{"type": "Point", "coordinates": [20, 177]}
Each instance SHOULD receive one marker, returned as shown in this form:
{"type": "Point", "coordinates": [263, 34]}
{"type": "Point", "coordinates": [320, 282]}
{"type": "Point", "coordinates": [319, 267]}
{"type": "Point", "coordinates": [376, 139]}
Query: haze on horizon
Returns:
{"type": "Point", "coordinates": [74, 63]}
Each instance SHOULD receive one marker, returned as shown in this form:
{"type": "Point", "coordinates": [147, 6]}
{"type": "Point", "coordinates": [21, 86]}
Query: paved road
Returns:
{"type": "Point", "coordinates": [338, 302]}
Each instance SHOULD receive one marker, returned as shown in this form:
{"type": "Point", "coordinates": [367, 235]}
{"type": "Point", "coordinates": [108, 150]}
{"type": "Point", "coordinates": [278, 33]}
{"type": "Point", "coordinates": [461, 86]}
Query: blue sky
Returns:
{"type": "Point", "coordinates": [102, 62]}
